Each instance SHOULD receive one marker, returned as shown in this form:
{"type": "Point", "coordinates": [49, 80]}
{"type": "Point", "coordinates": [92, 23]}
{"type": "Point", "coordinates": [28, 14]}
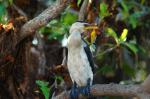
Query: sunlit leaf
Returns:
{"type": "Point", "coordinates": [93, 36]}
{"type": "Point", "coordinates": [68, 18]}
{"type": "Point", "coordinates": [123, 35]}
{"type": "Point", "coordinates": [44, 88]}
{"type": "Point", "coordinates": [42, 83]}
{"type": "Point", "coordinates": [112, 33]}
{"type": "Point", "coordinates": [79, 2]}
{"type": "Point", "coordinates": [104, 10]}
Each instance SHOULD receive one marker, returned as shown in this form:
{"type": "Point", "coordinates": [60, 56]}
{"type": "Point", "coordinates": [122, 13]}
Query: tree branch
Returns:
{"type": "Point", "coordinates": [83, 10]}
{"type": "Point", "coordinates": [50, 13]}
{"type": "Point", "coordinates": [146, 83]}
{"type": "Point", "coordinates": [112, 90]}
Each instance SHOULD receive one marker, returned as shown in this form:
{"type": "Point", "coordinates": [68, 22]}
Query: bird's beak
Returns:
{"type": "Point", "coordinates": [90, 27]}
{"type": "Point", "coordinates": [91, 30]}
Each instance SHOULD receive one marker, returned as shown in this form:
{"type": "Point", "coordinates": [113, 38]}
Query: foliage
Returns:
{"type": "Point", "coordinates": [3, 10]}
{"type": "Point", "coordinates": [79, 2]}
{"type": "Point", "coordinates": [122, 26]}
{"type": "Point", "coordinates": [137, 9]}
{"type": "Point", "coordinates": [127, 12]}
{"type": "Point", "coordinates": [44, 88]}
{"type": "Point", "coordinates": [57, 28]}
{"type": "Point", "coordinates": [103, 10]}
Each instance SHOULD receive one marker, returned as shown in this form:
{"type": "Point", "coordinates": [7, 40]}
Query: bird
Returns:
{"type": "Point", "coordinates": [79, 62]}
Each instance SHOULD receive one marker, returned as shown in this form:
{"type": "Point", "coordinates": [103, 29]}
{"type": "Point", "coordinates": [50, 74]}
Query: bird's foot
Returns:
{"type": "Point", "coordinates": [86, 89]}
{"type": "Point", "coordinates": [74, 92]}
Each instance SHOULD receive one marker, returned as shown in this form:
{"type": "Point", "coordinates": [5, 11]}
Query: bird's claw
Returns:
{"type": "Point", "coordinates": [74, 92]}
{"type": "Point", "coordinates": [85, 90]}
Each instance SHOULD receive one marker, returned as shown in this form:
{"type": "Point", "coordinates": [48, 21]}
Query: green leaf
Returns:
{"type": "Point", "coordinates": [44, 88]}
{"type": "Point", "coordinates": [133, 20]}
{"type": "Point", "coordinates": [132, 47]}
{"type": "Point", "coordinates": [79, 2]}
{"type": "Point", "coordinates": [53, 22]}
{"type": "Point", "coordinates": [112, 33]}
{"type": "Point", "coordinates": [123, 35]}
{"type": "Point", "coordinates": [125, 7]}
{"type": "Point", "coordinates": [104, 10]}
{"type": "Point", "coordinates": [45, 91]}
{"type": "Point", "coordinates": [41, 83]}
{"type": "Point", "coordinates": [68, 18]}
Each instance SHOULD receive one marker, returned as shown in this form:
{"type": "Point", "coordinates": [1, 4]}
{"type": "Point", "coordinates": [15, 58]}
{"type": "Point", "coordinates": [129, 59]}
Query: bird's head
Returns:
{"type": "Point", "coordinates": [76, 30]}
{"type": "Point", "coordinates": [78, 27]}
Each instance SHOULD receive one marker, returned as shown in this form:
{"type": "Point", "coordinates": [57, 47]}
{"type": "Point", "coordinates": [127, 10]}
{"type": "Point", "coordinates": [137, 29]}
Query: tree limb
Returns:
{"type": "Point", "coordinates": [50, 13]}
{"type": "Point", "coordinates": [146, 83]}
{"type": "Point", "coordinates": [112, 90]}
{"type": "Point", "coordinates": [83, 10]}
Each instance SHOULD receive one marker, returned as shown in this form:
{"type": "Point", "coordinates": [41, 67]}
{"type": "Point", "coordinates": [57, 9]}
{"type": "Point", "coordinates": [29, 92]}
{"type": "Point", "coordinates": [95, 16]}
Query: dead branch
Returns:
{"type": "Point", "coordinates": [50, 13]}
{"type": "Point", "coordinates": [112, 90]}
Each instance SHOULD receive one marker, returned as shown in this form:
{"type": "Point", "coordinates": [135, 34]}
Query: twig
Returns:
{"type": "Point", "coordinates": [106, 51]}
{"type": "Point", "coordinates": [50, 13]}
{"type": "Point", "coordinates": [20, 11]}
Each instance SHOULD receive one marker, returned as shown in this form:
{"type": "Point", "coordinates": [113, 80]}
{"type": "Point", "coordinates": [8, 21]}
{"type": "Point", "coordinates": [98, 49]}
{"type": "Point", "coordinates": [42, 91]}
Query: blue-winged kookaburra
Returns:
{"type": "Point", "coordinates": [80, 63]}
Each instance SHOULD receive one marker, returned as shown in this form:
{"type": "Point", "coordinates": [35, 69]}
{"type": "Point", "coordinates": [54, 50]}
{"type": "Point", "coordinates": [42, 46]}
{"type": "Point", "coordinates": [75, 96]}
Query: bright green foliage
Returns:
{"type": "Point", "coordinates": [3, 10]}
{"type": "Point", "coordinates": [57, 28]}
{"type": "Point", "coordinates": [122, 39]}
{"type": "Point", "coordinates": [79, 2]}
{"type": "Point", "coordinates": [68, 18]}
{"type": "Point", "coordinates": [44, 88]}
{"type": "Point", "coordinates": [123, 36]}
{"type": "Point", "coordinates": [103, 10]}
{"type": "Point", "coordinates": [121, 43]}
{"type": "Point", "coordinates": [112, 33]}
